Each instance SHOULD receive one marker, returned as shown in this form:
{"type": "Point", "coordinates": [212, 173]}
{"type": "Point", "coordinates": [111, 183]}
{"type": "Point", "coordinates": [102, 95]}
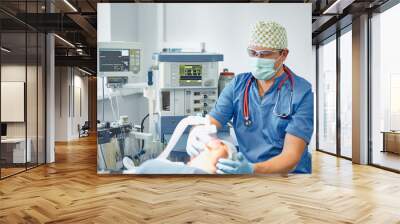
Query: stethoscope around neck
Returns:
{"type": "Point", "coordinates": [246, 110]}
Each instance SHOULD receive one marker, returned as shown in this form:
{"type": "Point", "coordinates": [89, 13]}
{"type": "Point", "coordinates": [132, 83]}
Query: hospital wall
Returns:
{"type": "Point", "coordinates": [224, 28]}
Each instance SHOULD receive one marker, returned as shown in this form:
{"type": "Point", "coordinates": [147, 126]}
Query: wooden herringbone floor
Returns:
{"type": "Point", "coordinates": [70, 191]}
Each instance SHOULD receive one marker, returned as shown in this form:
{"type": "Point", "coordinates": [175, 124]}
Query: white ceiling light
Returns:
{"type": "Point", "coordinates": [5, 50]}
{"type": "Point", "coordinates": [70, 5]}
{"type": "Point", "coordinates": [86, 72]}
{"type": "Point", "coordinates": [337, 7]}
{"type": "Point", "coordinates": [65, 41]}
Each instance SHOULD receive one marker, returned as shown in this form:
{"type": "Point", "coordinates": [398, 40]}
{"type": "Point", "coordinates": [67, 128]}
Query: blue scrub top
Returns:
{"type": "Point", "coordinates": [265, 137]}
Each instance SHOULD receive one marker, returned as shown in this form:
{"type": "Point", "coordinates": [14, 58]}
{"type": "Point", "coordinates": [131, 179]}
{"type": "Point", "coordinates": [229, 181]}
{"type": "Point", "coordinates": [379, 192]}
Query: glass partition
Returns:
{"type": "Point", "coordinates": [22, 88]}
{"type": "Point", "coordinates": [41, 107]}
{"type": "Point", "coordinates": [327, 97]}
{"type": "Point", "coordinates": [346, 94]}
{"type": "Point", "coordinates": [13, 95]}
{"type": "Point", "coordinates": [385, 84]}
{"type": "Point", "coordinates": [31, 97]}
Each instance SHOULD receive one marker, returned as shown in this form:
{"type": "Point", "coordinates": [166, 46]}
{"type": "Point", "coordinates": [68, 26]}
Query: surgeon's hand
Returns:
{"type": "Point", "coordinates": [241, 166]}
{"type": "Point", "coordinates": [198, 137]}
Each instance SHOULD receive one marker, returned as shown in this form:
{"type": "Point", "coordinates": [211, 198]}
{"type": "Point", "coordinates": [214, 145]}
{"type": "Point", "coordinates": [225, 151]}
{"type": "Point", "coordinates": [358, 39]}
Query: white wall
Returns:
{"type": "Point", "coordinates": [14, 72]}
{"type": "Point", "coordinates": [104, 29]}
{"type": "Point", "coordinates": [80, 83]}
{"type": "Point", "coordinates": [33, 125]}
{"type": "Point", "coordinates": [224, 27]}
{"type": "Point", "coordinates": [67, 114]}
{"type": "Point", "coordinates": [61, 103]}
{"type": "Point", "coordinates": [17, 73]}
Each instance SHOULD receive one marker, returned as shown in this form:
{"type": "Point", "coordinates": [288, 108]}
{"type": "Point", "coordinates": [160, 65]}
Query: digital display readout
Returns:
{"type": "Point", "coordinates": [190, 74]}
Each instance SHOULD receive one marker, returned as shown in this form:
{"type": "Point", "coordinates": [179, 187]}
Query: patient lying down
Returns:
{"type": "Point", "coordinates": [204, 163]}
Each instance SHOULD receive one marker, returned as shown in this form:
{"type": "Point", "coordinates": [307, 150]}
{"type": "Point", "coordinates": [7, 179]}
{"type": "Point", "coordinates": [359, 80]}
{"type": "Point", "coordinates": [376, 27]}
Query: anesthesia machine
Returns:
{"type": "Point", "coordinates": [179, 84]}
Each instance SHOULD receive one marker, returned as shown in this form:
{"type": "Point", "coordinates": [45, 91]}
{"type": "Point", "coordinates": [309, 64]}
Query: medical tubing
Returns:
{"type": "Point", "coordinates": [116, 99]}
{"type": "Point", "coordinates": [142, 123]}
{"type": "Point", "coordinates": [180, 128]}
{"type": "Point", "coordinates": [142, 128]}
{"type": "Point", "coordinates": [112, 106]}
{"type": "Point", "coordinates": [122, 128]}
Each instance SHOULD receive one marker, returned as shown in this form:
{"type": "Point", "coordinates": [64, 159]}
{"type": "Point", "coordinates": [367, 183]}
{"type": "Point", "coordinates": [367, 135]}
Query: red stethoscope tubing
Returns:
{"type": "Point", "coordinates": [246, 110]}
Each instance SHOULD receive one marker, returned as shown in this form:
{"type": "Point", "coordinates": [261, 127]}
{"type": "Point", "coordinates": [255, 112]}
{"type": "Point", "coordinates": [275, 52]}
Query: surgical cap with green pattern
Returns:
{"type": "Point", "coordinates": [268, 34]}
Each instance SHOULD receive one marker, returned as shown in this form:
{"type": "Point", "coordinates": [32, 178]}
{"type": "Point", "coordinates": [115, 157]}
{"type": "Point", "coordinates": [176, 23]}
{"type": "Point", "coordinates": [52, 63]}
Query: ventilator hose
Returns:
{"type": "Point", "coordinates": [180, 128]}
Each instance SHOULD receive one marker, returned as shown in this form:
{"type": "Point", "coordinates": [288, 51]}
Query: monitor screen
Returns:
{"type": "Point", "coordinates": [3, 129]}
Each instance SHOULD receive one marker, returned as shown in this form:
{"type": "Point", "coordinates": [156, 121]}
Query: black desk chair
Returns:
{"type": "Point", "coordinates": [84, 130]}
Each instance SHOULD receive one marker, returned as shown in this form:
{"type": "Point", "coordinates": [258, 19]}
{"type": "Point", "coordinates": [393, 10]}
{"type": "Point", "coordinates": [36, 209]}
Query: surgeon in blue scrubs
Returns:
{"type": "Point", "coordinates": [272, 111]}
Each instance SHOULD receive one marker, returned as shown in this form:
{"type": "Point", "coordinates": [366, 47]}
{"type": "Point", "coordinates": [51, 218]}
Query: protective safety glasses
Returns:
{"type": "Point", "coordinates": [262, 53]}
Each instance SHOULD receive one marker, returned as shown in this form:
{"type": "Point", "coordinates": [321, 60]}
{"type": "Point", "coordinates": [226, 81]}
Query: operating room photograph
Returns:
{"type": "Point", "coordinates": [200, 111]}
{"type": "Point", "coordinates": [204, 89]}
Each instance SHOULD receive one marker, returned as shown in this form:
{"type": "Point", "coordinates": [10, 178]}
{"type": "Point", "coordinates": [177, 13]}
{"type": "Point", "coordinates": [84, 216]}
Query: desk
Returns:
{"type": "Point", "coordinates": [391, 141]}
{"type": "Point", "coordinates": [13, 150]}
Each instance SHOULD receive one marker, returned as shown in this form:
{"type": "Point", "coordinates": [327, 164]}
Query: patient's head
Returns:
{"type": "Point", "coordinates": [208, 158]}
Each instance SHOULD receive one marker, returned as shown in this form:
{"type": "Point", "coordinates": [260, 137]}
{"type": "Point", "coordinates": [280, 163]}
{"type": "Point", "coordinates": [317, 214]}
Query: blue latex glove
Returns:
{"type": "Point", "coordinates": [241, 166]}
